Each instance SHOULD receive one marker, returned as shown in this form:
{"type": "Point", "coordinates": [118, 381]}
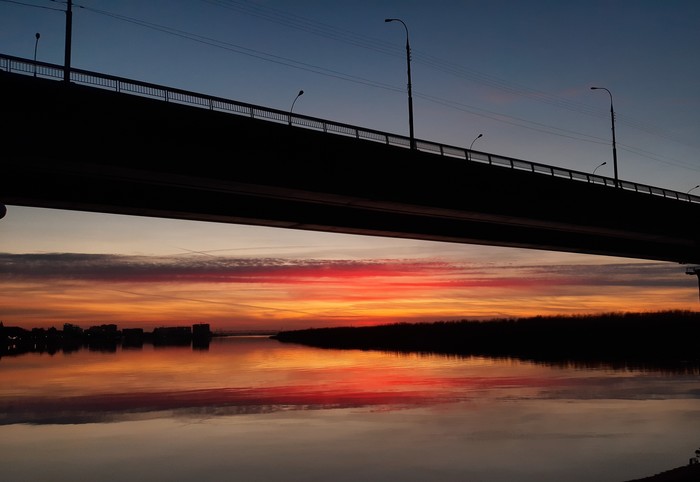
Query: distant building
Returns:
{"type": "Point", "coordinates": [132, 337]}
{"type": "Point", "coordinates": [71, 330]}
{"type": "Point", "coordinates": [172, 335]}
{"type": "Point", "coordinates": [103, 331]}
{"type": "Point", "coordinates": [201, 330]}
{"type": "Point", "coordinates": [132, 332]}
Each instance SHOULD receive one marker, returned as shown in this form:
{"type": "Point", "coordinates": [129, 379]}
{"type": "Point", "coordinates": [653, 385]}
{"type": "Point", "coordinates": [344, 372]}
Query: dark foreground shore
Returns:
{"type": "Point", "coordinates": [687, 473]}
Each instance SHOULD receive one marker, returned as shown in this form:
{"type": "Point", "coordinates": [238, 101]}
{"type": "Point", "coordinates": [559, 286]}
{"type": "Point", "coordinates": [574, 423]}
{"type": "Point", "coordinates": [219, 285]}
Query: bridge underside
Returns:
{"type": "Point", "coordinates": [79, 148]}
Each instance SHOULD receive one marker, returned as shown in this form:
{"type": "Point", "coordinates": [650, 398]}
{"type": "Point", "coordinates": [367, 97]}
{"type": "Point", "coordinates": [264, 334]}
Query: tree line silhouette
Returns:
{"type": "Point", "coordinates": [665, 340]}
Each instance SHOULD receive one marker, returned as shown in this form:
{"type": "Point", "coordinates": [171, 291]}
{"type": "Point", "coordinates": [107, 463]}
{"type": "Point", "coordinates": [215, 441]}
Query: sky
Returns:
{"type": "Point", "coordinates": [517, 72]}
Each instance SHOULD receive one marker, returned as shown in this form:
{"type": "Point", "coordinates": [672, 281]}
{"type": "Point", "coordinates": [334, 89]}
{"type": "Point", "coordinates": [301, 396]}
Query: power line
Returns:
{"type": "Point", "coordinates": [348, 77]}
{"type": "Point", "coordinates": [247, 51]}
{"type": "Point", "coordinates": [516, 121]}
{"type": "Point", "coordinates": [499, 117]}
{"type": "Point", "coordinates": [328, 31]}
{"type": "Point", "coordinates": [299, 22]}
{"type": "Point", "coordinates": [24, 4]}
{"type": "Point", "coordinates": [311, 26]}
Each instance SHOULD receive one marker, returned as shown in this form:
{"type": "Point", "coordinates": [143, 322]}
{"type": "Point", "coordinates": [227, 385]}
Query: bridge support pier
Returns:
{"type": "Point", "coordinates": [696, 271]}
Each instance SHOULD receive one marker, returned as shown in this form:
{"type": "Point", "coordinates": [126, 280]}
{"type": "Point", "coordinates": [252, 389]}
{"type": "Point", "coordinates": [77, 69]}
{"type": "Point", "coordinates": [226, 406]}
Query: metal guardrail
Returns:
{"type": "Point", "coordinates": [10, 63]}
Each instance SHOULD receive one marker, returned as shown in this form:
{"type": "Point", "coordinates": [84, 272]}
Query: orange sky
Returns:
{"type": "Point", "coordinates": [525, 96]}
{"type": "Point", "coordinates": [165, 272]}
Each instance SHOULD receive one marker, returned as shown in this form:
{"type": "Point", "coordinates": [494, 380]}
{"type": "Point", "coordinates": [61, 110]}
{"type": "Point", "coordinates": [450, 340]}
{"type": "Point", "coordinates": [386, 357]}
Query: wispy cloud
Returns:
{"type": "Point", "coordinates": [115, 268]}
{"type": "Point", "coordinates": [424, 272]}
{"type": "Point", "coordinates": [258, 291]}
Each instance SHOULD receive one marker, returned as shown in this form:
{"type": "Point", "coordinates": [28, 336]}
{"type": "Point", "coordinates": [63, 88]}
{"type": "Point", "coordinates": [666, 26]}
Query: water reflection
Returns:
{"type": "Point", "coordinates": [264, 410]}
{"type": "Point", "coordinates": [256, 375]}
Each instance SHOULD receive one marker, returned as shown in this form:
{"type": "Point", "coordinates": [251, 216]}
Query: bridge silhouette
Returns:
{"type": "Point", "coordinates": [108, 144]}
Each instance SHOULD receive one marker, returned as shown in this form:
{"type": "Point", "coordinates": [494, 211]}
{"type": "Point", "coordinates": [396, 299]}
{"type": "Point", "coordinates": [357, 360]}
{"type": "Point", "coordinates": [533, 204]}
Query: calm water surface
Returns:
{"type": "Point", "coordinates": [254, 409]}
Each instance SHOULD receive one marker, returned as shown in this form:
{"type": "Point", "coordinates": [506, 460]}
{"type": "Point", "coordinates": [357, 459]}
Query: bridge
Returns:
{"type": "Point", "coordinates": [108, 144]}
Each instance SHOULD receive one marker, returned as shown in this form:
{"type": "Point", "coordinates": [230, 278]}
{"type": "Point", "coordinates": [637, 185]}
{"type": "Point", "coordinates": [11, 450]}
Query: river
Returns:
{"type": "Point", "coordinates": [255, 409]}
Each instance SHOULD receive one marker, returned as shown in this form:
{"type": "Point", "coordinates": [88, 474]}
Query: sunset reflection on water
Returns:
{"type": "Point", "coordinates": [255, 371]}
{"type": "Point", "coordinates": [315, 412]}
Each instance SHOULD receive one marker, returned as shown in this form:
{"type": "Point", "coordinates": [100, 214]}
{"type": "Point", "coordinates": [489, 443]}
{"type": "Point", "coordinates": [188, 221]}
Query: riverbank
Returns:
{"type": "Point", "coordinates": [668, 340]}
{"type": "Point", "coordinates": [687, 473]}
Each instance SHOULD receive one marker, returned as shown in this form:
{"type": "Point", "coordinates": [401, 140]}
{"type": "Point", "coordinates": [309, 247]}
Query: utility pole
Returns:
{"type": "Point", "coordinates": [69, 34]}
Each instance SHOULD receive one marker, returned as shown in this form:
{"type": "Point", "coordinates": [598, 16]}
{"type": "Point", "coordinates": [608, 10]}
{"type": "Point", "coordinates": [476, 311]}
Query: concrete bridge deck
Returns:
{"type": "Point", "coordinates": [78, 147]}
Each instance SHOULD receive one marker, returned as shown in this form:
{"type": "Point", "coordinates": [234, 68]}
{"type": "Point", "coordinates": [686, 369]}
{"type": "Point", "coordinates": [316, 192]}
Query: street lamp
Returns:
{"type": "Point", "coordinates": [688, 192]}
{"type": "Point", "coordinates": [301, 92]}
{"type": "Point", "coordinates": [410, 93]}
{"type": "Point", "coordinates": [472, 145]}
{"type": "Point", "coordinates": [36, 44]}
{"type": "Point", "coordinates": [601, 165]}
{"type": "Point", "coordinates": [612, 117]}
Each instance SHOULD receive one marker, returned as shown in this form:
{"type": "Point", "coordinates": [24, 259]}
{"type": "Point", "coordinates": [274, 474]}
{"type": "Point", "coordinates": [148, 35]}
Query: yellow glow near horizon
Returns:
{"type": "Point", "coordinates": [283, 306]}
{"type": "Point", "coordinates": [151, 272]}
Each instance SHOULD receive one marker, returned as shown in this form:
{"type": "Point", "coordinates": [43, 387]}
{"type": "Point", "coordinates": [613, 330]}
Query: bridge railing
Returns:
{"type": "Point", "coordinates": [10, 63]}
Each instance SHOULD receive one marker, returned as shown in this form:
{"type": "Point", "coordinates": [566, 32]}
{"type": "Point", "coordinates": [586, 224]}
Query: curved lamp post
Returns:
{"type": "Point", "coordinates": [301, 92]}
{"type": "Point", "coordinates": [472, 145]}
{"type": "Point", "coordinates": [599, 166]}
{"type": "Point", "coordinates": [688, 191]}
{"type": "Point", "coordinates": [36, 44]}
{"type": "Point", "coordinates": [410, 93]}
{"type": "Point", "coordinates": [612, 117]}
